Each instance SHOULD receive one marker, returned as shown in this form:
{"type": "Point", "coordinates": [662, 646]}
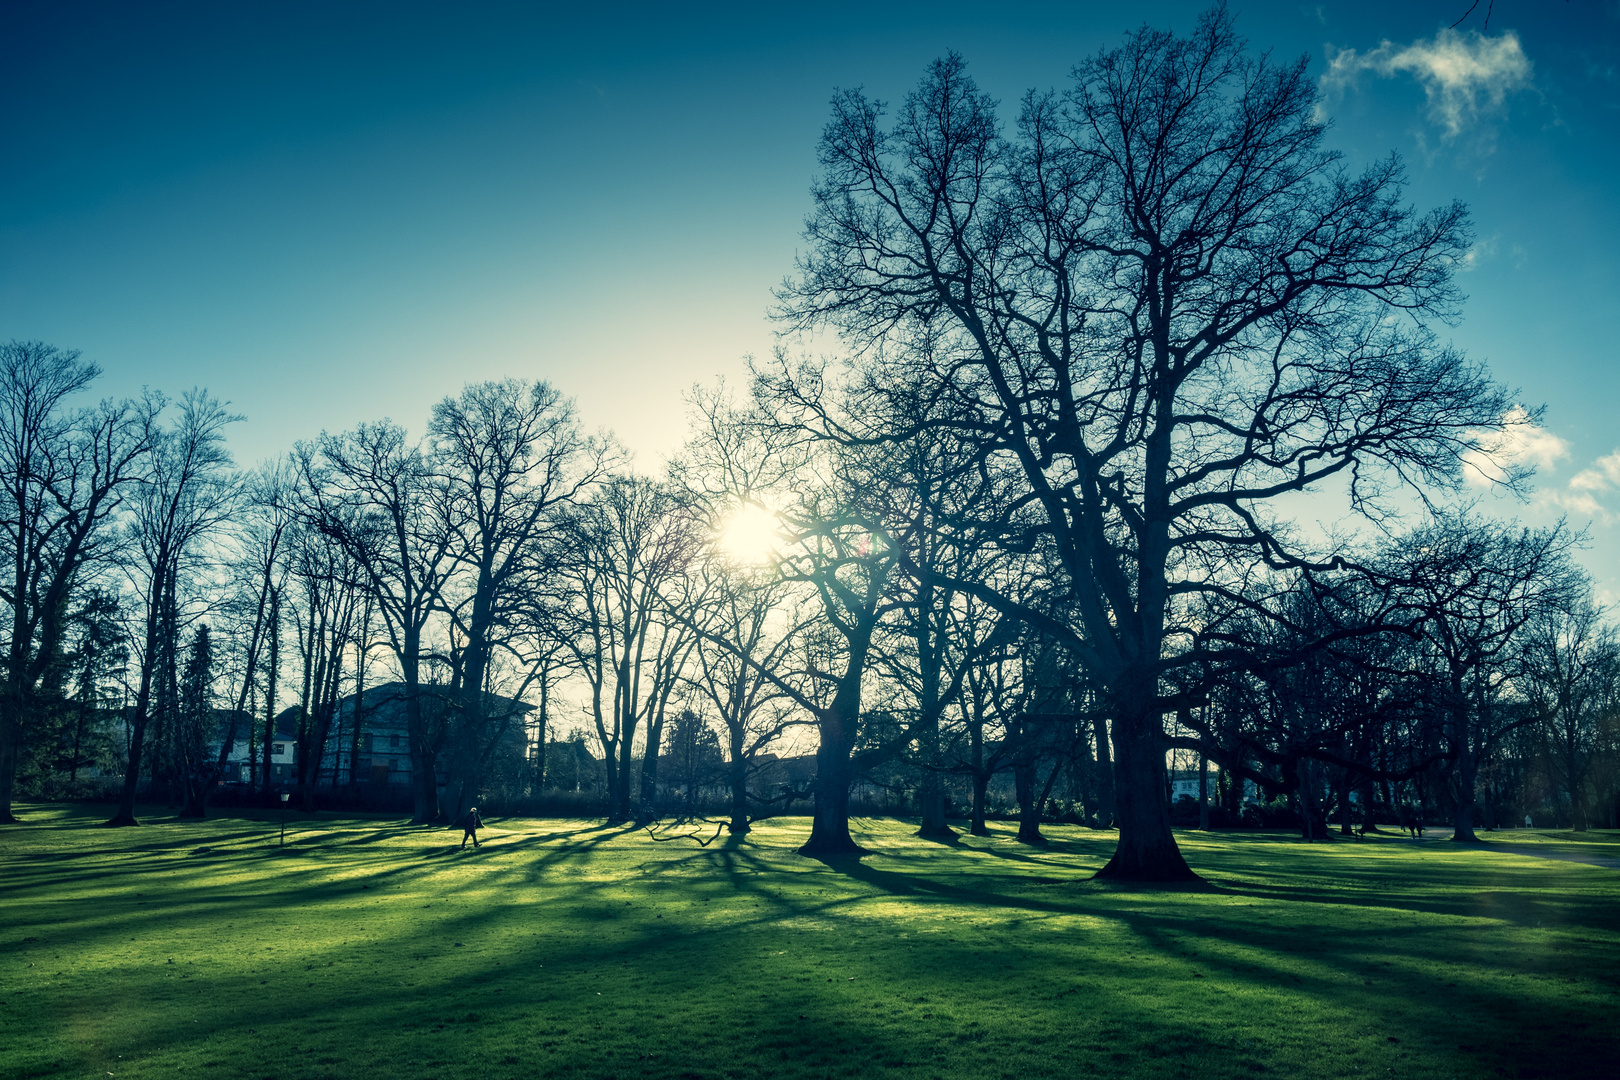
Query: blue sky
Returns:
{"type": "Point", "coordinates": [334, 212]}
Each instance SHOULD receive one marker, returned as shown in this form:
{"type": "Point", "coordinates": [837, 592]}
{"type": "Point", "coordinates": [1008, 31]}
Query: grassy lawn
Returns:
{"type": "Point", "coordinates": [566, 949]}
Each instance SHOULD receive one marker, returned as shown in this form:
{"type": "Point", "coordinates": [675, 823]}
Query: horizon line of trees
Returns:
{"type": "Point", "coordinates": [1031, 521]}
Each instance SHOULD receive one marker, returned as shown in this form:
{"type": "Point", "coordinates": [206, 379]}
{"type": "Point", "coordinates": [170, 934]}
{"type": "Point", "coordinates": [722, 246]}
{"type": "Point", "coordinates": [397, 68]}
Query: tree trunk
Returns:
{"type": "Point", "coordinates": [1203, 792]}
{"type": "Point", "coordinates": [981, 783]}
{"type": "Point", "coordinates": [271, 675]}
{"type": "Point", "coordinates": [1466, 773]}
{"type": "Point", "coordinates": [649, 768]}
{"type": "Point", "coordinates": [622, 811]}
{"type": "Point", "coordinates": [539, 782]}
{"type": "Point", "coordinates": [829, 821]}
{"type": "Point", "coordinates": [1147, 848]}
{"type": "Point", "coordinates": [930, 792]}
{"type": "Point", "coordinates": [357, 724]}
{"type": "Point", "coordinates": [1369, 813]}
{"type": "Point", "coordinates": [981, 775]}
{"type": "Point", "coordinates": [125, 814]}
{"type": "Point", "coordinates": [1107, 800]}
{"type": "Point", "coordinates": [1029, 809]}
{"type": "Point", "coordinates": [737, 775]}
{"type": "Point", "coordinates": [10, 736]}
{"type": "Point", "coordinates": [1347, 825]}
{"type": "Point", "coordinates": [309, 760]}
{"type": "Point", "coordinates": [1303, 799]}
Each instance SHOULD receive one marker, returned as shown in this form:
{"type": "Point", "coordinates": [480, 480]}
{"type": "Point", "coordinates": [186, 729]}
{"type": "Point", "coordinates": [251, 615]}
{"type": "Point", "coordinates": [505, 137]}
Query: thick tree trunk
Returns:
{"type": "Point", "coordinates": [1029, 810]}
{"type": "Point", "coordinates": [1573, 781]}
{"type": "Point", "coordinates": [1304, 799]}
{"type": "Point", "coordinates": [829, 822]}
{"type": "Point", "coordinates": [981, 783]}
{"type": "Point", "coordinates": [1147, 848]}
{"type": "Point", "coordinates": [930, 792]}
{"type": "Point", "coordinates": [10, 736]}
{"type": "Point", "coordinates": [737, 775]}
{"type": "Point", "coordinates": [125, 814]}
{"type": "Point", "coordinates": [1107, 800]}
{"type": "Point", "coordinates": [1369, 812]}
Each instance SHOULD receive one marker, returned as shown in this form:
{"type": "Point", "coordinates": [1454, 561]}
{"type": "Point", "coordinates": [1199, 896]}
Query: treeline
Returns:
{"type": "Point", "coordinates": [1031, 524]}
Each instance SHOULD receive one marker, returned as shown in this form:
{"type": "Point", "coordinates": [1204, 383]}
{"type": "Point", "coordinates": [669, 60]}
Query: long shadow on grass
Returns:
{"type": "Point", "coordinates": [1258, 951]}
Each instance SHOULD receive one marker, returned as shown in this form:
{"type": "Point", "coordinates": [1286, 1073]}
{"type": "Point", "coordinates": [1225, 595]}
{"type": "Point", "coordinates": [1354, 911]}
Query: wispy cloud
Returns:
{"type": "Point", "coordinates": [1464, 75]}
{"type": "Point", "coordinates": [1521, 443]}
{"type": "Point", "coordinates": [1585, 493]}
{"type": "Point", "coordinates": [1482, 250]}
{"type": "Point", "coordinates": [1601, 475]}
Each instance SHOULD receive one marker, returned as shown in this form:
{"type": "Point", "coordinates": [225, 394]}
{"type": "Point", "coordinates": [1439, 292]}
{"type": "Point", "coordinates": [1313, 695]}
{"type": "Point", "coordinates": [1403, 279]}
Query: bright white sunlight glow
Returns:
{"type": "Point", "coordinates": [751, 534]}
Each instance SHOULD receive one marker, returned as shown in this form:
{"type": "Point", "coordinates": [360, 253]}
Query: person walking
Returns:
{"type": "Point", "coordinates": [470, 824]}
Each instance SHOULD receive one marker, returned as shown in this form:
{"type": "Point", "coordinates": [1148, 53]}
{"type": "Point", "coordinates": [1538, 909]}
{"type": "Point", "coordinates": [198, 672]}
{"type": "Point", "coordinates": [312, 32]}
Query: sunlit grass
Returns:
{"type": "Point", "coordinates": [569, 949]}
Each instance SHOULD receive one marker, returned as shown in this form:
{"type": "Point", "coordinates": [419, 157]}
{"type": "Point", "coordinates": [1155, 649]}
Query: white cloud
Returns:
{"type": "Point", "coordinates": [1463, 75]}
{"type": "Point", "coordinates": [1582, 495]}
{"type": "Point", "coordinates": [1520, 442]}
{"type": "Point", "coordinates": [1602, 474]}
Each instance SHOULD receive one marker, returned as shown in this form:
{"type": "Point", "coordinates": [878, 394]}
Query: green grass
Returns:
{"type": "Point", "coordinates": [566, 949]}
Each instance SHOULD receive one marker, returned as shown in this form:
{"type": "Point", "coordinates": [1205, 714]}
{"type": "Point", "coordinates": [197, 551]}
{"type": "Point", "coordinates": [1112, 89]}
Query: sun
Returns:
{"type": "Point", "coordinates": [752, 534]}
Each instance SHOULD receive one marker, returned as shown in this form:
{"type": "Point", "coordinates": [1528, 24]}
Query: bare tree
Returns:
{"type": "Point", "coordinates": [1574, 664]}
{"type": "Point", "coordinates": [64, 475]}
{"type": "Point", "coordinates": [508, 455]}
{"type": "Point", "coordinates": [187, 489]}
{"type": "Point", "coordinates": [1163, 304]}
{"type": "Point", "coordinates": [748, 628]}
{"type": "Point", "coordinates": [372, 492]}
{"type": "Point", "coordinates": [1480, 585]}
{"type": "Point", "coordinates": [260, 572]}
{"type": "Point", "coordinates": [621, 563]}
{"type": "Point", "coordinates": [833, 551]}
{"type": "Point", "coordinates": [326, 616]}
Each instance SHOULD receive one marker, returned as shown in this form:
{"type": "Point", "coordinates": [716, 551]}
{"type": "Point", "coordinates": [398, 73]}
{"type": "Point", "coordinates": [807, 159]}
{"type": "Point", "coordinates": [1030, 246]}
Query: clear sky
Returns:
{"type": "Point", "coordinates": [334, 212]}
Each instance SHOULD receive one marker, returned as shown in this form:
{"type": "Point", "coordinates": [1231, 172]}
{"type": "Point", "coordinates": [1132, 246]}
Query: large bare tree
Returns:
{"type": "Point", "coordinates": [1163, 303]}
{"type": "Point", "coordinates": [372, 492]}
{"type": "Point", "coordinates": [64, 475]}
{"type": "Point", "coordinates": [507, 454]}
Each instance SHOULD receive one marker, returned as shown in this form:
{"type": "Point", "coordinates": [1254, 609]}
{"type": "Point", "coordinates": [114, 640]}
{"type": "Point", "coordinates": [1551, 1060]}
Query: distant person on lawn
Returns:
{"type": "Point", "coordinates": [470, 824]}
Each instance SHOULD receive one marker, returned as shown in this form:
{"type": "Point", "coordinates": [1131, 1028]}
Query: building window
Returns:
{"type": "Point", "coordinates": [278, 749]}
{"type": "Point", "coordinates": [366, 743]}
{"type": "Point", "coordinates": [393, 742]}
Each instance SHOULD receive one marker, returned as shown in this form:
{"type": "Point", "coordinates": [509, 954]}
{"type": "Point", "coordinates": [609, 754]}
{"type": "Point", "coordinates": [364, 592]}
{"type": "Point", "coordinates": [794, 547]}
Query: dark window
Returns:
{"type": "Point", "coordinates": [278, 748]}
{"type": "Point", "coordinates": [393, 742]}
{"type": "Point", "coordinates": [366, 743]}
